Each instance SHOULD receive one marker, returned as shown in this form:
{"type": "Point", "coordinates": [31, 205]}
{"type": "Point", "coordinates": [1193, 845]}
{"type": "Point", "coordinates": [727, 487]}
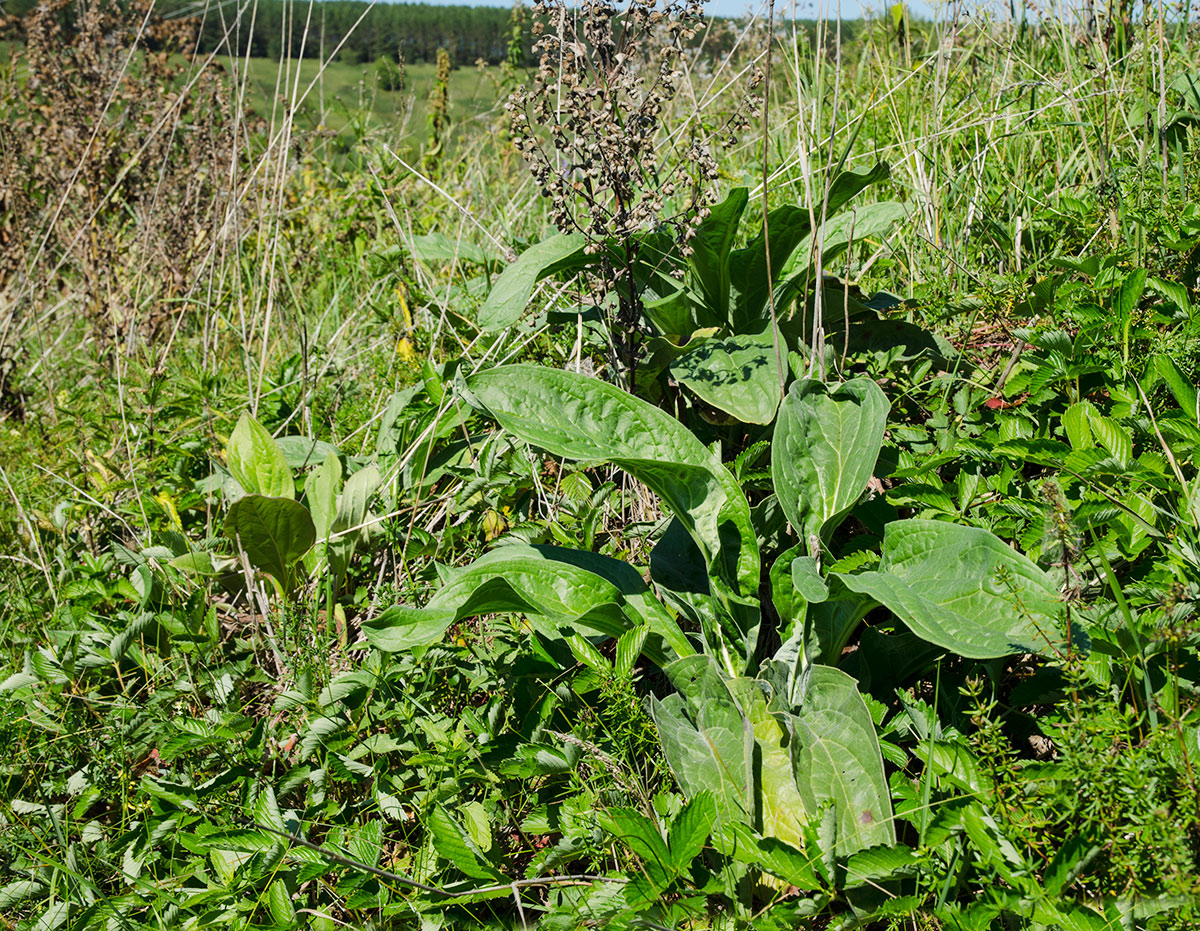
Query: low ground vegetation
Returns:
{"type": "Point", "coordinates": [793, 523]}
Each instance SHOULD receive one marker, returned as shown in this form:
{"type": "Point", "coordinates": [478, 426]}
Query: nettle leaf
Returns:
{"type": "Point", "coordinates": [642, 836]}
{"type": "Point", "coordinates": [553, 588]}
{"type": "Point", "coordinates": [455, 844]}
{"type": "Point", "coordinates": [274, 532]}
{"type": "Point", "coordinates": [256, 461]}
{"type": "Point", "coordinates": [824, 452]}
{"type": "Point", "coordinates": [510, 294]}
{"type": "Point", "coordinates": [741, 375]}
{"type": "Point", "coordinates": [837, 762]}
{"type": "Point", "coordinates": [690, 829]}
{"type": "Point", "coordinates": [963, 589]}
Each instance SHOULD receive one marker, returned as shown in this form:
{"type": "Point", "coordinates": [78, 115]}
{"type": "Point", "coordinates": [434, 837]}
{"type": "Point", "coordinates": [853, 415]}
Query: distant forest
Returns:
{"type": "Point", "coordinates": [412, 32]}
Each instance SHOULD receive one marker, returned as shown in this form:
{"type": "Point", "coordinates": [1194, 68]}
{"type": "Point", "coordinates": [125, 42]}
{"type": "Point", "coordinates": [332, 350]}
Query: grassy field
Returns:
{"type": "Point", "coordinates": [341, 97]}
{"type": "Point", "coordinates": [756, 492]}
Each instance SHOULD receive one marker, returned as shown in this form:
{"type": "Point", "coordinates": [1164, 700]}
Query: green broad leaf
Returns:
{"type": "Point", "coordinates": [199, 562]}
{"type": "Point", "coordinates": [302, 452]}
{"type": "Point", "coordinates": [453, 843]}
{"type": "Point", "coordinates": [348, 530]}
{"type": "Point", "coordinates": [962, 589]}
{"type": "Point", "coordinates": [837, 762]}
{"type": "Point", "coordinates": [1076, 421]}
{"type": "Point", "coordinates": [690, 830]}
{"type": "Point", "coordinates": [808, 581]}
{"type": "Point", "coordinates": [510, 294]}
{"type": "Point", "coordinates": [256, 461]}
{"type": "Point", "coordinates": [438, 247]}
{"type": "Point", "coordinates": [741, 375]}
{"type": "Point", "coordinates": [279, 901]}
{"type": "Point", "coordinates": [597, 421]}
{"type": "Point", "coordinates": [708, 742]}
{"type": "Point", "coordinates": [873, 221]}
{"type": "Point", "coordinates": [641, 835]}
{"type": "Point", "coordinates": [321, 494]}
{"type": "Point", "coordinates": [787, 227]}
{"type": "Point", "coordinates": [849, 184]}
{"type": "Point", "coordinates": [274, 532]}
{"type": "Point", "coordinates": [554, 588]}
{"type": "Point", "coordinates": [824, 453]}
{"type": "Point", "coordinates": [710, 254]}
{"type": "Point", "coordinates": [783, 810]}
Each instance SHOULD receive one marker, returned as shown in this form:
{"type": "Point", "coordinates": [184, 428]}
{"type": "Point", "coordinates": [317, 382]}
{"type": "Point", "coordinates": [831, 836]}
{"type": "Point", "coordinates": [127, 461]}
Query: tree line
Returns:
{"type": "Point", "coordinates": [359, 32]}
{"type": "Point", "coordinates": [412, 32]}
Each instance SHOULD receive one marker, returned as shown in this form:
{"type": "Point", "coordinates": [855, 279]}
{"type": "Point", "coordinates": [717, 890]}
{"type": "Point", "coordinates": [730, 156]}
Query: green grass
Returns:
{"type": "Point", "coordinates": [343, 97]}
{"type": "Point", "coordinates": [153, 692]}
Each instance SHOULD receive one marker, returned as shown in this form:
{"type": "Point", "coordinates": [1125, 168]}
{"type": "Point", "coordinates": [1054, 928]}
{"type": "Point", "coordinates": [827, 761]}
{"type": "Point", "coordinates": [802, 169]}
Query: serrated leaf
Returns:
{"type": "Point", "coordinates": [1071, 859]}
{"type": "Point", "coordinates": [629, 648]}
{"type": "Point", "coordinates": [266, 809]}
{"type": "Point", "coordinates": [641, 835]}
{"type": "Point", "coordinates": [453, 843]}
{"type": "Point", "coordinates": [1076, 421]}
{"type": "Point", "coordinates": [17, 892]}
{"type": "Point", "coordinates": [280, 904]}
{"type": "Point", "coordinates": [690, 829]}
{"type": "Point", "coordinates": [257, 463]}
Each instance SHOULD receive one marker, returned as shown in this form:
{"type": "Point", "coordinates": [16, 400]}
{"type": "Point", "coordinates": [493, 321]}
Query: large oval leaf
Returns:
{"type": "Point", "coordinates": [708, 742]}
{"type": "Point", "coordinates": [257, 462]}
{"type": "Point", "coordinates": [577, 417]}
{"type": "Point", "coordinates": [836, 759]}
{"type": "Point", "coordinates": [741, 375]}
{"type": "Point", "coordinates": [510, 294]}
{"type": "Point", "coordinates": [274, 532]}
{"type": "Point", "coordinates": [963, 589]}
{"type": "Point", "coordinates": [551, 587]}
{"type": "Point", "coordinates": [824, 452]}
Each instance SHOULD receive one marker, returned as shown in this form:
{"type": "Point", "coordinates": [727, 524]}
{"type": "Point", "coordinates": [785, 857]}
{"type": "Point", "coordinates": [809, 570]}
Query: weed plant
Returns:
{"type": "Point", "coordinates": [207, 722]}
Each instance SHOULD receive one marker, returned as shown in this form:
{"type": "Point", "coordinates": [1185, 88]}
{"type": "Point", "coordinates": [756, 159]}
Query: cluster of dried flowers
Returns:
{"type": "Point", "coordinates": [593, 125]}
{"type": "Point", "coordinates": [113, 165]}
{"type": "Point", "coordinates": [600, 91]}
